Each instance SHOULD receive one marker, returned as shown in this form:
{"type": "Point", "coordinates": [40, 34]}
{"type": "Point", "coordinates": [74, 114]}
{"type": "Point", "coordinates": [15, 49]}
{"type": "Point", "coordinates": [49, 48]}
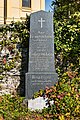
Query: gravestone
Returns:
{"type": "Point", "coordinates": [41, 69]}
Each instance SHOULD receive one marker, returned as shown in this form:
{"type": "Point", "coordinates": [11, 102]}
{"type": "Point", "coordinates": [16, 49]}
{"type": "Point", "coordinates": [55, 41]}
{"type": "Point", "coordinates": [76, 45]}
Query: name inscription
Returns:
{"type": "Point", "coordinates": [40, 79]}
{"type": "Point", "coordinates": [41, 53]}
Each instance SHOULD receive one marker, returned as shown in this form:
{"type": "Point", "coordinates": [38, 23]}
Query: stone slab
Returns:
{"type": "Point", "coordinates": [41, 44]}
{"type": "Point", "coordinates": [37, 81]}
{"type": "Point", "coordinates": [41, 68]}
{"type": "Point", "coordinates": [37, 104]}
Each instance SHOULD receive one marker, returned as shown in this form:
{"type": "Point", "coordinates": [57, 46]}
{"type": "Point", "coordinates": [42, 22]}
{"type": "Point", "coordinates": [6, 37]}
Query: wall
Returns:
{"type": "Point", "coordinates": [13, 58]}
{"type": "Point", "coordinates": [1, 11]}
{"type": "Point", "coordinates": [15, 9]}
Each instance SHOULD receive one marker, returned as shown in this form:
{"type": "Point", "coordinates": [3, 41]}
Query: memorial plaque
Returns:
{"type": "Point", "coordinates": [41, 69]}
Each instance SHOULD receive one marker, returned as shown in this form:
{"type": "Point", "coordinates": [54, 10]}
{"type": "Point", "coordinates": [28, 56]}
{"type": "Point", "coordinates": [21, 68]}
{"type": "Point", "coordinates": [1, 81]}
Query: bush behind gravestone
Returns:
{"type": "Point", "coordinates": [67, 43]}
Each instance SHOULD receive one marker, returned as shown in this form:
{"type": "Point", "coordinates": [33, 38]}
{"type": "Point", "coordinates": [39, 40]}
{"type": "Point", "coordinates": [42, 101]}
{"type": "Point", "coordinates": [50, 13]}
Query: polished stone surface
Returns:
{"type": "Point", "coordinates": [41, 69]}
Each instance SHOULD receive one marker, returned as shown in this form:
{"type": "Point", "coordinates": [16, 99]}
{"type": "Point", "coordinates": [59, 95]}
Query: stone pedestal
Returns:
{"type": "Point", "coordinates": [37, 81]}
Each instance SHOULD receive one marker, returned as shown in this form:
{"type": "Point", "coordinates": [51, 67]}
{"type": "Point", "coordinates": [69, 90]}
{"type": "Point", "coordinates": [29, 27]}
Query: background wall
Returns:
{"type": "Point", "coordinates": [1, 11]}
{"type": "Point", "coordinates": [15, 10]}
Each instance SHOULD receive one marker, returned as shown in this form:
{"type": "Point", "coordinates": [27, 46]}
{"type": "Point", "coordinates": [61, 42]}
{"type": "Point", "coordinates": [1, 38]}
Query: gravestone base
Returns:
{"type": "Point", "coordinates": [37, 81]}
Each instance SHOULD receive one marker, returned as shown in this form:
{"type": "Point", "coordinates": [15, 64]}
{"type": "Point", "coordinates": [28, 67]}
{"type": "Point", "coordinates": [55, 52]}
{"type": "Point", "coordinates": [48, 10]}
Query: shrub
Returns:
{"type": "Point", "coordinates": [66, 95]}
{"type": "Point", "coordinates": [12, 108]}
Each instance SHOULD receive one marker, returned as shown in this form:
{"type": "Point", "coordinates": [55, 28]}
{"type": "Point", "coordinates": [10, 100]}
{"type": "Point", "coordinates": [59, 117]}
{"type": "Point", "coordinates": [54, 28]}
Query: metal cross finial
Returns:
{"type": "Point", "coordinates": [41, 21]}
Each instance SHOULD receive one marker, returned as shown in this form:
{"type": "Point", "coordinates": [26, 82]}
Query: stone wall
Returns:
{"type": "Point", "coordinates": [13, 63]}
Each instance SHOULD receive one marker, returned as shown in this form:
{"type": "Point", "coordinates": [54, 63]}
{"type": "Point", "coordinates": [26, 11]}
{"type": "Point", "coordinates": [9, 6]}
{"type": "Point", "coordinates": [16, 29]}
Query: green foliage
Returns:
{"type": "Point", "coordinates": [39, 93]}
{"type": "Point", "coordinates": [19, 33]}
{"type": "Point", "coordinates": [1, 77]}
{"type": "Point", "coordinates": [67, 35]}
{"type": "Point", "coordinates": [12, 107]}
{"type": "Point", "coordinates": [14, 38]}
{"type": "Point", "coordinates": [65, 8]}
{"type": "Point", "coordinates": [67, 53]}
{"type": "Point", "coordinates": [66, 96]}
{"type": "Point", "coordinates": [67, 44]}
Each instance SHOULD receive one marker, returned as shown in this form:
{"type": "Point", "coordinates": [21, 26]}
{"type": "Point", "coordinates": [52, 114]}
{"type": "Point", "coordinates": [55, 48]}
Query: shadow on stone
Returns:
{"type": "Point", "coordinates": [24, 46]}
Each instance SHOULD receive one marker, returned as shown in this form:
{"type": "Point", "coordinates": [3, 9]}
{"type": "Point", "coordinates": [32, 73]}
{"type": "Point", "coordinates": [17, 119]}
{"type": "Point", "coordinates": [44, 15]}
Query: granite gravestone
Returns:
{"type": "Point", "coordinates": [41, 69]}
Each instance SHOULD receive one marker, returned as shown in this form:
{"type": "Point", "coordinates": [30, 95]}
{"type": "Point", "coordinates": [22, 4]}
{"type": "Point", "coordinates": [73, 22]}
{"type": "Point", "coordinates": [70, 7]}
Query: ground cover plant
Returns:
{"type": "Point", "coordinates": [12, 108]}
{"type": "Point", "coordinates": [65, 96]}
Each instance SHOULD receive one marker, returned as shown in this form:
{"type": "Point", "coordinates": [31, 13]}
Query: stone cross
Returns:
{"type": "Point", "coordinates": [41, 21]}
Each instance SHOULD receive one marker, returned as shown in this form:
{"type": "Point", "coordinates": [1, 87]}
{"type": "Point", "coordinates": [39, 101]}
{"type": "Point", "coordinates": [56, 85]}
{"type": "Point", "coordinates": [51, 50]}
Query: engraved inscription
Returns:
{"type": "Point", "coordinates": [40, 79]}
{"type": "Point", "coordinates": [40, 32]}
{"type": "Point", "coordinates": [42, 63]}
{"type": "Point", "coordinates": [41, 46]}
{"type": "Point", "coordinates": [41, 56]}
{"type": "Point", "coordinates": [40, 36]}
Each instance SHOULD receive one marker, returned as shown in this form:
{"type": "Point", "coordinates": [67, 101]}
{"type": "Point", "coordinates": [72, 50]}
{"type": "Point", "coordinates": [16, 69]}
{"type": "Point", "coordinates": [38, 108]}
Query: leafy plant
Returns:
{"type": "Point", "coordinates": [65, 96]}
{"type": "Point", "coordinates": [12, 107]}
{"type": "Point", "coordinates": [67, 44]}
